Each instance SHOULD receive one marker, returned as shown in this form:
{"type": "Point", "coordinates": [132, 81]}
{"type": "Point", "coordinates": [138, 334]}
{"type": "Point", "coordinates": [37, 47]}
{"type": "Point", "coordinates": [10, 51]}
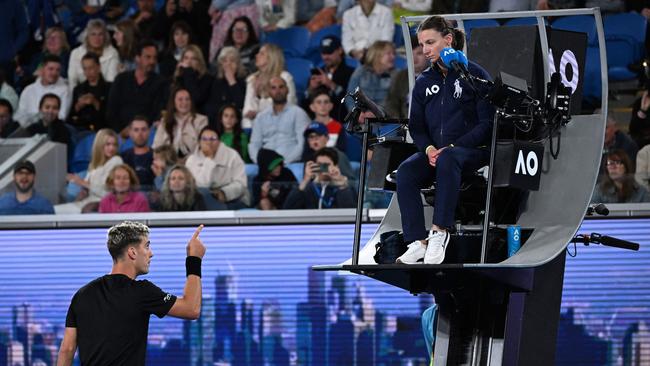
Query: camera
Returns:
{"type": "Point", "coordinates": [323, 168]}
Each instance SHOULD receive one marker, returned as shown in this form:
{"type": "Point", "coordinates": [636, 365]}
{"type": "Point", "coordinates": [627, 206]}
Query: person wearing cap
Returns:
{"type": "Point", "coordinates": [316, 138]}
{"type": "Point", "coordinates": [273, 182]}
{"type": "Point", "coordinates": [363, 25]}
{"type": "Point", "coordinates": [333, 75]}
{"type": "Point", "coordinates": [279, 127]}
{"type": "Point", "coordinates": [24, 200]}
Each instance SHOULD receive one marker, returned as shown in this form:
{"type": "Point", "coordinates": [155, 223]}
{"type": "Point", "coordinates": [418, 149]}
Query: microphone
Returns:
{"type": "Point", "coordinates": [598, 208]}
{"type": "Point", "coordinates": [605, 240]}
{"type": "Point", "coordinates": [456, 60]}
{"type": "Point", "coordinates": [363, 102]}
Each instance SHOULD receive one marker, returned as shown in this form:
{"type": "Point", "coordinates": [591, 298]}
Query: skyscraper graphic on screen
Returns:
{"type": "Point", "coordinates": [636, 345]}
{"type": "Point", "coordinates": [201, 334]}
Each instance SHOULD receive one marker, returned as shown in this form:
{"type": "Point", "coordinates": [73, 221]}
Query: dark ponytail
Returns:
{"type": "Point", "coordinates": [445, 27]}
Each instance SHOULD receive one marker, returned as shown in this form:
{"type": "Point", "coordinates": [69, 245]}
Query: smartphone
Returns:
{"type": "Point", "coordinates": [316, 71]}
{"type": "Point", "coordinates": [324, 168]}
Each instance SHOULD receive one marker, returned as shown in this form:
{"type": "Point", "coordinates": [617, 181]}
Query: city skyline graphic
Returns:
{"type": "Point", "coordinates": [262, 304]}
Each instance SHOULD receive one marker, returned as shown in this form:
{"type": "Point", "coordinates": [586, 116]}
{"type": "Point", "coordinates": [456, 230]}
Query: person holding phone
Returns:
{"type": "Point", "coordinates": [322, 185]}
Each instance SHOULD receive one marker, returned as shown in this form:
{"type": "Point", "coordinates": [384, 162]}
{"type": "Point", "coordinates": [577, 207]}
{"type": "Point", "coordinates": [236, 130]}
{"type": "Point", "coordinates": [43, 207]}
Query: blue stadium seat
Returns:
{"type": "Point", "coordinates": [82, 153]}
{"type": "Point", "coordinates": [293, 40]}
{"type": "Point", "coordinates": [300, 69]}
{"type": "Point", "coordinates": [398, 36]}
{"type": "Point", "coordinates": [313, 50]}
{"type": "Point", "coordinates": [352, 62]}
{"type": "Point", "coordinates": [523, 21]}
{"type": "Point", "coordinates": [478, 23]}
{"type": "Point", "coordinates": [592, 83]}
{"type": "Point", "coordinates": [625, 37]}
{"type": "Point", "coordinates": [298, 169]}
{"type": "Point", "coordinates": [400, 62]}
{"type": "Point", "coordinates": [579, 23]}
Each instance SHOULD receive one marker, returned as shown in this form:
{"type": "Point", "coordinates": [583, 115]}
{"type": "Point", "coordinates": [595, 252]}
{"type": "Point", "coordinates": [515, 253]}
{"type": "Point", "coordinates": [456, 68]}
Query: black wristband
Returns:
{"type": "Point", "coordinates": [193, 266]}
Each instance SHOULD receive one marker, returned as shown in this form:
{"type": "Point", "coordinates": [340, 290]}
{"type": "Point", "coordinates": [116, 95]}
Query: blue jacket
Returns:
{"type": "Point", "coordinates": [13, 29]}
{"type": "Point", "coordinates": [446, 110]}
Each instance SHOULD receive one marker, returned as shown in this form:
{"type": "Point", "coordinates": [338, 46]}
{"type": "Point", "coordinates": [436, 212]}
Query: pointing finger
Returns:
{"type": "Point", "coordinates": [197, 232]}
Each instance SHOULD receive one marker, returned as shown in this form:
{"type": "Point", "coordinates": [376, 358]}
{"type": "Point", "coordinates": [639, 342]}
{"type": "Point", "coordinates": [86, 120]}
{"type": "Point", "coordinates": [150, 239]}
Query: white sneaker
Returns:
{"type": "Point", "coordinates": [413, 254]}
{"type": "Point", "coordinates": [436, 247]}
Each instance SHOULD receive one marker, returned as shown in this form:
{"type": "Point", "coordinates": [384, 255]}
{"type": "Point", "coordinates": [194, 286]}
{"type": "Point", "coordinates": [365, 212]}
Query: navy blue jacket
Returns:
{"type": "Point", "coordinates": [13, 29]}
{"type": "Point", "coordinates": [446, 110]}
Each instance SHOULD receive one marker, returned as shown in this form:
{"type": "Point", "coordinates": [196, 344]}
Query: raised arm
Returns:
{"type": "Point", "coordinates": [68, 347]}
{"type": "Point", "coordinates": [189, 306]}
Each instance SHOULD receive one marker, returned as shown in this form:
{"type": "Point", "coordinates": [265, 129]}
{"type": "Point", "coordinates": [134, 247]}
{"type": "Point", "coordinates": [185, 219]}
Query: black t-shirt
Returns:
{"type": "Point", "coordinates": [141, 163]}
{"type": "Point", "coordinates": [111, 315]}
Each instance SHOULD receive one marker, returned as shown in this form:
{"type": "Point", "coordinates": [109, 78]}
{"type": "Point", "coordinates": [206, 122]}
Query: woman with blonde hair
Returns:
{"type": "Point", "coordinates": [55, 43]}
{"type": "Point", "coordinates": [192, 74]}
{"type": "Point", "coordinates": [123, 196]}
{"type": "Point", "coordinates": [270, 63]}
{"type": "Point", "coordinates": [126, 33]}
{"type": "Point", "coordinates": [179, 192]}
{"type": "Point", "coordinates": [229, 87]}
{"type": "Point", "coordinates": [181, 124]}
{"type": "Point", "coordinates": [374, 76]}
{"type": "Point", "coordinates": [97, 41]}
{"type": "Point", "coordinates": [103, 159]}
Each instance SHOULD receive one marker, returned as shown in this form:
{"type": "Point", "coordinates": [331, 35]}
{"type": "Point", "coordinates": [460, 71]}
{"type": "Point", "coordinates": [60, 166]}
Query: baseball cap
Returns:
{"type": "Point", "coordinates": [329, 44]}
{"type": "Point", "coordinates": [25, 164]}
{"type": "Point", "coordinates": [316, 127]}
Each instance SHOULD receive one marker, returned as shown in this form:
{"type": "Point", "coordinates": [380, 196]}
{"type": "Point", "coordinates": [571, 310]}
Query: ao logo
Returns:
{"type": "Point", "coordinates": [449, 51]}
{"type": "Point", "coordinates": [568, 58]}
{"type": "Point", "coordinates": [515, 235]}
{"type": "Point", "coordinates": [433, 89]}
{"type": "Point", "coordinates": [527, 166]}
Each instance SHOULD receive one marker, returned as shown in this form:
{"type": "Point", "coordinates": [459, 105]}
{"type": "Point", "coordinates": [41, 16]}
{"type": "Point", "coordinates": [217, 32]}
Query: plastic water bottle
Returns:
{"type": "Point", "coordinates": [514, 239]}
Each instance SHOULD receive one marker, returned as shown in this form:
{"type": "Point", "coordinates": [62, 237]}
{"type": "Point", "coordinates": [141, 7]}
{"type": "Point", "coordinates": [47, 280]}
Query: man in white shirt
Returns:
{"type": "Point", "coordinates": [50, 81]}
{"type": "Point", "coordinates": [364, 24]}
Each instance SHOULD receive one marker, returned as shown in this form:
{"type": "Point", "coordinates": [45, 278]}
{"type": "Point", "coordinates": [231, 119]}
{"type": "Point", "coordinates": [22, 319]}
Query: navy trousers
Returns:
{"type": "Point", "coordinates": [416, 173]}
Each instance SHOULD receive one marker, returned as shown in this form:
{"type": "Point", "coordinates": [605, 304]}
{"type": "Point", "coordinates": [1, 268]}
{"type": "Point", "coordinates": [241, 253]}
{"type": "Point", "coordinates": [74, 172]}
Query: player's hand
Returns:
{"type": "Point", "coordinates": [195, 247]}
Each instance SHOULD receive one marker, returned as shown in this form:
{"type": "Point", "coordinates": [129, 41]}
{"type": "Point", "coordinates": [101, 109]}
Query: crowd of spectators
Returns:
{"type": "Point", "coordinates": [205, 106]}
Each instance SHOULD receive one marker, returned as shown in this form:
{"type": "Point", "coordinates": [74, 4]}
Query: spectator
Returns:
{"type": "Point", "coordinates": [103, 159]}
{"type": "Point", "coordinates": [616, 139]}
{"type": "Point", "coordinates": [181, 124]}
{"type": "Point", "coordinates": [325, 17]}
{"type": "Point", "coordinates": [111, 10]}
{"type": "Point", "coordinates": [192, 74]}
{"type": "Point", "coordinates": [270, 63]}
{"type": "Point", "coordinates": [321, 105]}
{"type": "Point", "coordinates": [179, 192]}
{"type": "Point", "coordinates": [618, 185]}
{"type": "Point", "coordinates": [7, 123]}
{"type": "Point", "coordinates": [89, 98]}
{"type": "Point", "coordinates": [223, 13]}
{"type": "Point", "coordinates": [137, 92]}
{"type": "Point", "coordinates": [49, 81]}
{"type": "Point", "coordinates": [97, 41]}
{"type": "Point", "coordinates": [126, 32]}
{"type": "Point", "coordinates": [140, 156]}
{"type": "Point", "coordinates": [56, 43]}
{"type": "Point", "coordinates": [363, 25]}
{"type": "Point", "coordinates": [164, 157]}
{"type": "Point", "coordinates": [24, 200]}
{"type": "Point", "coordinates": [123, 195]}
{"type": "Point", "coordinates": [49, 124]}
{"type": "Point", "coordinates": [317, 138]}
{"type": "Point", "coordinates": [13, 34]}
{"type": "Point", "coordinates": [640, 121]}
{"type": "Point", "coordinates": [412, 8]}
{"type": "Point", "coordinates": [180, 37]}
{"type": "Point", "coordinates": [375, 75]}
{"type": "Point", "coordinates": [642, 174]}
{"type": "Point", "coordinates": [279, 127]}
{"type": "Point", "coordinates": [511, 5]}
{"type": "Point", "coordinates": [220, 172]}
{"type": "Point", "coordinates": [322, 186]}
{"type": "Point", "coordinates": [228, 127]}
{"type": "Point", "coordinates": [194, 13]}
{"type": "Point", "coordinates": [334, 75]}
{"type": "Point", "coordinates": [276, 14]}
{"type": "Point", "coordinates": [7, 92]}
{"type": "Point", "coordinates": [243, 37]}
{"type": "Point", "coordinates": [229, 87]}
{"type": "Point", "coordinates": [145, 19]}
{"type": "Point", "coordinates": [273, 182]}
{"type": "Point", "coordinates": [399, 92]}
{"type": "Point", "coordinates": [307, 9]}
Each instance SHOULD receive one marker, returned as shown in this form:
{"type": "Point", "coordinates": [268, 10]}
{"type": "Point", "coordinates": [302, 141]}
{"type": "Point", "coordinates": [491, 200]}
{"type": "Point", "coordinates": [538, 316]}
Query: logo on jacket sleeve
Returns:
{"type": "Point", "coordinates": [433, 89]}
{"type": "Point", "coordinates": [458, 90]}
